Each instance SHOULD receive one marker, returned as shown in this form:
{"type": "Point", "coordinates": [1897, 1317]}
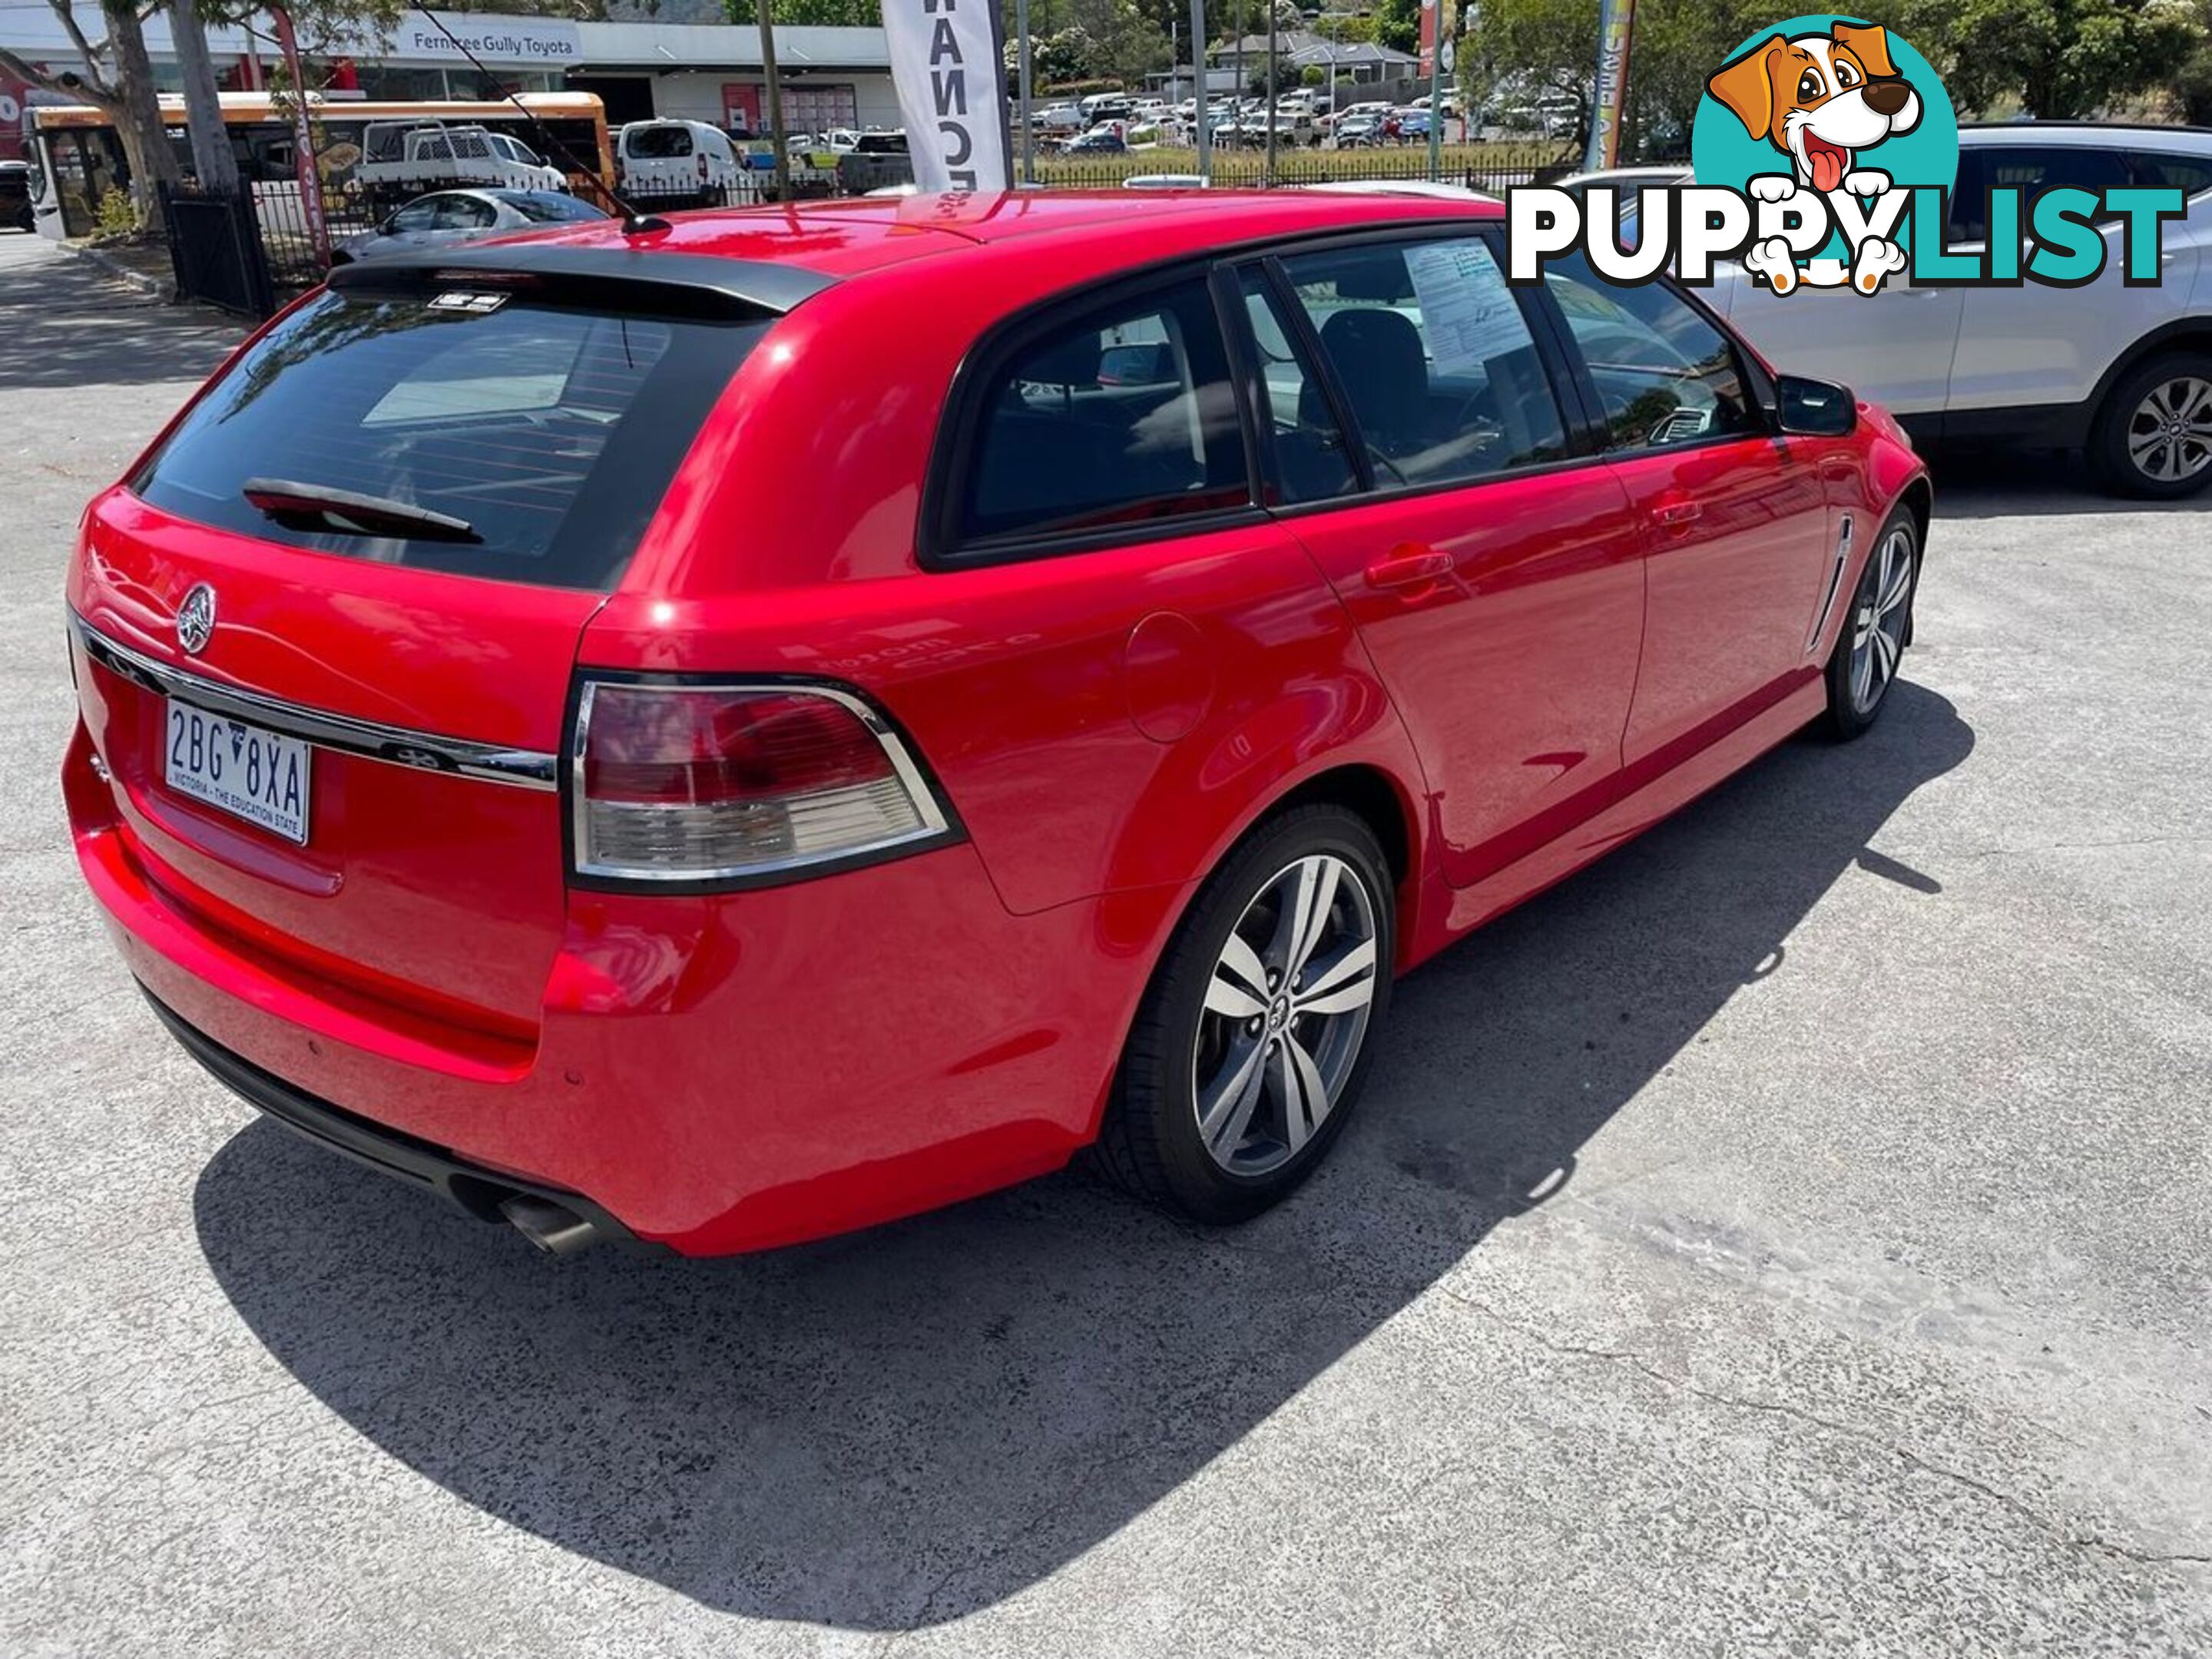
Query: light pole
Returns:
{"type": "Point", "coordinates": [1436, 95]}
{"type": "Point", "coordinates": [775, 89]}
{"type": "Point", "coordinates": [1201, 91]}
{"type": "Point", "coordinates": [1270, 116]}
{"type": "Point", "coordinates": [1029, 131]}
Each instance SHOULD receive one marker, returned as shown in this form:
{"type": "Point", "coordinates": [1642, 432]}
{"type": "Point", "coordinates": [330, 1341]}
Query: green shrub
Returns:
{"type": "Point", "coordinates": [117, 216]}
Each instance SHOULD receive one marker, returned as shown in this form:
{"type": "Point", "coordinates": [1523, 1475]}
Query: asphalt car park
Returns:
{"type": "Point", "coordinates": [1788, 1235]}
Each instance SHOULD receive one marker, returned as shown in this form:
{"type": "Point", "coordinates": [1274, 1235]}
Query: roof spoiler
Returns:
{"type": "Point", "coordinates": [691, 285]}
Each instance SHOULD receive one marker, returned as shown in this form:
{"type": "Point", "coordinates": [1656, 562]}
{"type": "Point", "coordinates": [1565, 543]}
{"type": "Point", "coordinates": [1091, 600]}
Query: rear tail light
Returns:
{"type": "Point", "coordinates": [728, 783]}
{"type": "Point", "coordinates": [703, 166]}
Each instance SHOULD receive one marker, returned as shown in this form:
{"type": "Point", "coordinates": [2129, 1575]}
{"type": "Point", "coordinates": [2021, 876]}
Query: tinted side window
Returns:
{"type": "Point", "coordinates": [462, 213]}
{"type": "Point", "coordinates": [1968, 221]}
{"type": "Point", "coordinates": [1664, 374]}
{"type": "Point", "coordinates": [2155, 170]}
{"type": "Point", "coordinates": [1429, 346]}
{"type": "Point", "coordinates": [2030, 170]}
{"type": "Point", "coordinates": [1122, 415]}
{"type": "Point", "coordinates": [656, 142]}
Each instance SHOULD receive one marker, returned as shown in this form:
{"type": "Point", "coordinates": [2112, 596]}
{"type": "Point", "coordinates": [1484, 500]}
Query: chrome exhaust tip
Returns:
{"type": "Point", "coordinates": [552, 1229]}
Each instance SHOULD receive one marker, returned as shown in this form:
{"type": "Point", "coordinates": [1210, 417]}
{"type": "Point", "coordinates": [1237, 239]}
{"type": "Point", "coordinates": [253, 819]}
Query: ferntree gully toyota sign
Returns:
{"type": "Point", "coordinates": [503, 40]}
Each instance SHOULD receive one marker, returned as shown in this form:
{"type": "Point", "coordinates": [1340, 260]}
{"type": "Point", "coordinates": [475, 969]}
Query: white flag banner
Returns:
{"type": "Point", "coordinates": [947, 68]}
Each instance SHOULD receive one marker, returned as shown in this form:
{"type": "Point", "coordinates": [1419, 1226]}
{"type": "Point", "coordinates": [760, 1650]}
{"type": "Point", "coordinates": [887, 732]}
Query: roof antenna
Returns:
{"type": "Point", "coordinates": [634, 222]}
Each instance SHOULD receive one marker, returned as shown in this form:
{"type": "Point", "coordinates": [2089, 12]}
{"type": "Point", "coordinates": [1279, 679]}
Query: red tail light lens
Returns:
{"type": "Point", "coordinates": [722, 783]}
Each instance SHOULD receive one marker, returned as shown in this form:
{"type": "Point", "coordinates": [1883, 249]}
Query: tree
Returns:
{"type": "Point", "coordinates": [1530, 49]}
{"type": "Point", "coordinates": [1398, 25]}
{"type": "Point", "coordinates": [213, 163]}
{"type": "Point", "coordinates": [117, 79]}
{"type": "Point", "coordinates": [812, 13]}
{"type": "Point", "coordinates": [2062, 59]}
{"type": "Point", "coordinates": [1064, 56]}
{"type": "Point", "coordinates": [2191, 88]}
{"type": "Point", "coordinates": [1522, 50]}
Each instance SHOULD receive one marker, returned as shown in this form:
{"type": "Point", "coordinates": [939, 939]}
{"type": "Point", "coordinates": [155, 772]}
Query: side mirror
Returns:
{"type": "Point", "coordinates": [1815, 409]}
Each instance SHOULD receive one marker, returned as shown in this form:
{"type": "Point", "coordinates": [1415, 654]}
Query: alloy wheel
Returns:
{"type": "Point", "coordinates": [1878, 639]}
{"type": "Point", "coordinates": [1285, 1013]}
{"type": "Point", "coordinates": [2169, 434]}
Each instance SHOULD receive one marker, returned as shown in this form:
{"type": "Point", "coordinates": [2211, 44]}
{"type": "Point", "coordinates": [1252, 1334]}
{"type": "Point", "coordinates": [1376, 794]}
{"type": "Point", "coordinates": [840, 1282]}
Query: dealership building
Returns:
{"type": "Point", "coordinates": [703, 71]}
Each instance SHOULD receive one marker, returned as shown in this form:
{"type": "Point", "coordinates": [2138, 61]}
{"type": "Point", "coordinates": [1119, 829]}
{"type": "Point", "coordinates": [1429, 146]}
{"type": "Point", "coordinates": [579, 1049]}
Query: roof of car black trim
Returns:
{"type": "Point", "coordinates": [691, 285]}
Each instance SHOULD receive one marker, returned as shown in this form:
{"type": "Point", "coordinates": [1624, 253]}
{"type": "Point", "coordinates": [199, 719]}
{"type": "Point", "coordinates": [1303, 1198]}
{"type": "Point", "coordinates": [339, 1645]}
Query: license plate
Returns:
{"type": "Point", "coordinates": [250, 774]}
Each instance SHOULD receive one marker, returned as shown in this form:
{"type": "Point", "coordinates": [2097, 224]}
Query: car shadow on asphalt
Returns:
{"type": "Point", "coordinates": [1981, 483]}
{"type": "Point", "coordinates": [891, 1430]}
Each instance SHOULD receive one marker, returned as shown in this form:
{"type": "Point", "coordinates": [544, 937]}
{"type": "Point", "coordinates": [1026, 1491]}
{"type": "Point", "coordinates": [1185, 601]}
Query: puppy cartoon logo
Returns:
{"type": "Point", "coordinates": [1821, 99]}
{"type": "Point", "coordinates": [1817, 107]}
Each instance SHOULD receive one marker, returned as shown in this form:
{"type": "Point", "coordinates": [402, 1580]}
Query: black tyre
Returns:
{"type": "Point", "coordinates": [1870, 647]}
{"type": "Point", "coordinates": [1253, 1041]}
{"type": "Point", "coordinates": [2153, 436]}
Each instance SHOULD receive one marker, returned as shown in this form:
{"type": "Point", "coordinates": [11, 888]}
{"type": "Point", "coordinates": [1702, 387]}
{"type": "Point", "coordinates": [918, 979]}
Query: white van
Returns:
{"type": "Point", "coordinates": [655, 161]}
{"type": "Point", "coordinates": [423, 154]}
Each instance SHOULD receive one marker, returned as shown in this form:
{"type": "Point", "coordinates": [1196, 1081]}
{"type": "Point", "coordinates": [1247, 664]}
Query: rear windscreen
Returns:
{"type": "Point", "coordinates": [550, 433]}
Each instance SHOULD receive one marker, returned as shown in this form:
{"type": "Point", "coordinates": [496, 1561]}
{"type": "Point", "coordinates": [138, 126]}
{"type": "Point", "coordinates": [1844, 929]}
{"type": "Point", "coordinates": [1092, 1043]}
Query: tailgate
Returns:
{"type": "Point", "coordinates": [324, 636]}
{"type": "Point", "coordinates": [430, 708]}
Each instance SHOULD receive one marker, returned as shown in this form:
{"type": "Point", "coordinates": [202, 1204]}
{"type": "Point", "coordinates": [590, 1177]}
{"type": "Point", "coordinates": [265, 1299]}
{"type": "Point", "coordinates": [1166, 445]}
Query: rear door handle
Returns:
{"type": "Point", "coordinates": [1409, 567]}
{"type": "Point", "coordinates": [1673, 515]}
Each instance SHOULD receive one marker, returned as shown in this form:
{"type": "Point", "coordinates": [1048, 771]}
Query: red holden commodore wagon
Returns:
{"type": "Point", "coordinates": [721, 734]}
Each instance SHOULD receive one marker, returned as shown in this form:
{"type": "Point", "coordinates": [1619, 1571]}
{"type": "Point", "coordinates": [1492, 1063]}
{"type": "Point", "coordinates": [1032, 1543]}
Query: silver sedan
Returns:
{"type": "Point", "coordinates": [447, 217]}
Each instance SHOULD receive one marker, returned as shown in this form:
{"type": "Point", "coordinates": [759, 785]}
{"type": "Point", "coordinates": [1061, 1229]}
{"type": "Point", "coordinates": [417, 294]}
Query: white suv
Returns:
{"type": "Point", "coordinates": [2123, 373]}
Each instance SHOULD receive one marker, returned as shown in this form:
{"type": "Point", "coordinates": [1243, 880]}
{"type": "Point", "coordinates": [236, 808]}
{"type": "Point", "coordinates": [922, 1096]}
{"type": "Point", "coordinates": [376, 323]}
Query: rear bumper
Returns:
{"type": "Point", "coordinates": [468, 1187]}
{"type": "Point", "coordinates": [716, 1073]}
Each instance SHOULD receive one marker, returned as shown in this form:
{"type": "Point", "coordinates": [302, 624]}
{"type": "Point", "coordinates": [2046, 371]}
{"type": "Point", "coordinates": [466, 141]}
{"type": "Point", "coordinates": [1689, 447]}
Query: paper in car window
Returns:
{"type": "Point", "coordinates": [1467, 310]}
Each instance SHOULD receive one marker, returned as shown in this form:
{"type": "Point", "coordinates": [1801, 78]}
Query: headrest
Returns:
{"type": "Point", "coordinates": [1377, 281]}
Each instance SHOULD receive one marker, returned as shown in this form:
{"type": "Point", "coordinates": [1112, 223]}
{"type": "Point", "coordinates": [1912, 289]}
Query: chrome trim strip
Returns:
{"type": "Point", "coordinates": [1835, 587]}
{"type": "Point", "coordinates": [395, 745]}
{"type": "Point", "coordinates": [934, 824]}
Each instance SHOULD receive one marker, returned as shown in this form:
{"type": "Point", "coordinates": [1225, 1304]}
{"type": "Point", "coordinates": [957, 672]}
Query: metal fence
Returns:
{"type": "Point", "coordinates": [215, 250]}
{"type": "Point", "coordinates": [251, 252]}
{"type": "Point", "coordinates": [1490, 168]}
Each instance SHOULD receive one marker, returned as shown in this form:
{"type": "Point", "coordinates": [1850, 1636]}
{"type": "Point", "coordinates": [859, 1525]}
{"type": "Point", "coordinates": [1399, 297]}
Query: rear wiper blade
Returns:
{"type": "Point", "coordinates": [320, 506]}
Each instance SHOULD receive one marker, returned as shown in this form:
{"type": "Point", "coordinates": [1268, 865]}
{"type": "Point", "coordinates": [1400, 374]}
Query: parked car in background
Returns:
{"type": "Point", "coordinates": [1359, 131]}
{"type": "Point", "coordinates": [446, 217]}
{"type": "Point", "coordinates": [1099, 141]}
{"type": "Point", "coordinates": [1435, 190]}
{"type": "Point", "coordinates": [525, 742]}
{"type": "Point", "coordinates": [15, 195]}
{"type": "Point", "coordinates": [667, 160]}
{"type": "Point", "coordinates": [1365, 110]}
{"type": "Point", "coordinates": [1626, 184]}
{"type": "Point", "coordinates": [409, 155]}
{"type": "Point", "coordinates": [2122, 373]}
